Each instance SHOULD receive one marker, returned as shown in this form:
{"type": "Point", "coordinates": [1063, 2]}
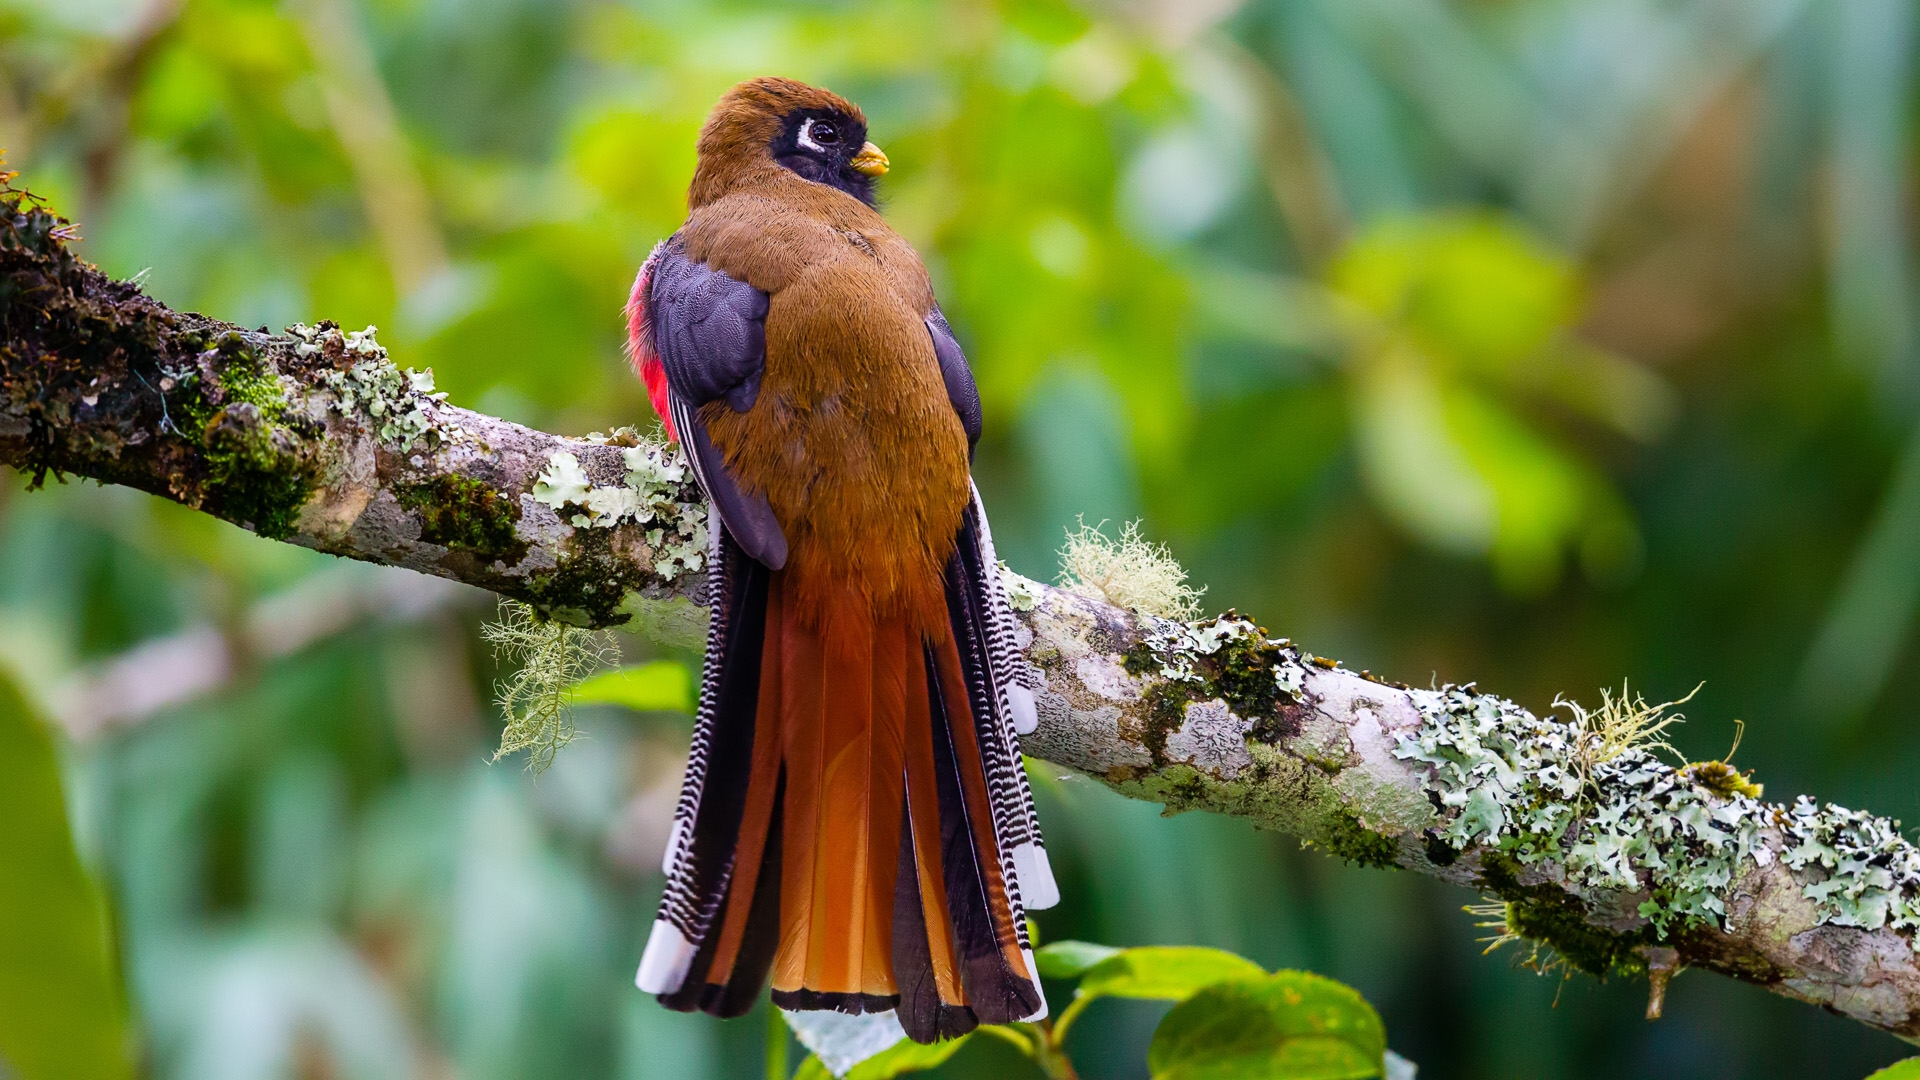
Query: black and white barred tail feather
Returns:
{"type": "Point", "coordinates": [1014, 715]}
{"type": "Point", "coordinates": [699, 861]}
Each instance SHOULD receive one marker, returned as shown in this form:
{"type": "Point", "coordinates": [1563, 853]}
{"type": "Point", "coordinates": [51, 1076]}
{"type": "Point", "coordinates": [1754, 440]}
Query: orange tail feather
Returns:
{"type": "Point", "coordinates": [846, 845]}
{"type": "Point", "coordinates": [842, 707]}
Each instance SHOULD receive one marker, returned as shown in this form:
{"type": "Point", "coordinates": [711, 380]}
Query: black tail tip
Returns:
{"type": "Point", "coordinates": [939, 1022]}
{"type": "Point", "coordinates": [922, 1024]}
{"type": "Point", "coordinates": [804, 1000]}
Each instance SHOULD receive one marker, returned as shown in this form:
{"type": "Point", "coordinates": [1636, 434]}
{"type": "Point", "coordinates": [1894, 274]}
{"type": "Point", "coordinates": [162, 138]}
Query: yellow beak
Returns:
{"type": "Point", "coordinates": [869, 161]}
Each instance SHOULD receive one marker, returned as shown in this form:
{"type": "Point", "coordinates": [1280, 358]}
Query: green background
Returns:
{"type": "Point", "coordinates": [1543, 343]}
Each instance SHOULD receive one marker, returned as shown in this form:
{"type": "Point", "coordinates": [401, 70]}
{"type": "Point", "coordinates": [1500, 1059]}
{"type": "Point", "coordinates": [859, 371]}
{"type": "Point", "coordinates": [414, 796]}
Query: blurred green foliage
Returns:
{"type": "Point", "coordinates": [60, 1011]}
{"type": "Point", "coordinates": [1468, 312]}
{"type": "Point", "coordinates": [655, 686]}
{"type": "Point", "coordinates": [1538, 342]}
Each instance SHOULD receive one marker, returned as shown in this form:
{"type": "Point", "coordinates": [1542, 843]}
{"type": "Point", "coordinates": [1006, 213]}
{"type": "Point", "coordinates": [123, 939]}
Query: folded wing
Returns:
{"type": "Point", "coordinates": [698, 336]}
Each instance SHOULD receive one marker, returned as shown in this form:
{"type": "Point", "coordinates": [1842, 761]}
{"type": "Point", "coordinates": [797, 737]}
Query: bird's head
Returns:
{"type": "Point", "coordinates": [769, 123]}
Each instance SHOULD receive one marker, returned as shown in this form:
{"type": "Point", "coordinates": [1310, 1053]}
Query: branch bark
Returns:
{"type": "Point", "coordinates": [1614, 861]}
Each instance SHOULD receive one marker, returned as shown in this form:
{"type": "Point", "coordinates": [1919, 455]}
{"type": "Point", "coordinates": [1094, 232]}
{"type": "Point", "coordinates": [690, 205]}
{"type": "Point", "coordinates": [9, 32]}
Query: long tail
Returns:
{"type": "Point", "coordinates": [855, 826]}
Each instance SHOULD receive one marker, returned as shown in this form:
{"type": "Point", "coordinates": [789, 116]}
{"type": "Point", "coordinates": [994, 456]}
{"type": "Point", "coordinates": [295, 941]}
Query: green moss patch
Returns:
{"type": "Point", "coordinates": [465, 514]}
{"type": "Point", "coordinates": [1548, 915]}
{"type": "Point", "coordinates": [1242, 672]}
{"type": "Point", "coordinates": [589, 587]}
{"type": "Point", "coordinates": [1226, 658]}
{"type": "Point", "coordinates": [255, 476]}
{"type": "Point", "coordinates": [117, 387]}
{"type": "Point", "coordinates": [1347, 837]}
{"type": "Point", "coordinates": [234, 407]}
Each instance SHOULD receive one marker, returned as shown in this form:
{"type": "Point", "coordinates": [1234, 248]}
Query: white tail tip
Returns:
{"type": "Point", "coordinates": [1033, 975]}
{"type": "Point", "coordinates": [663, 967]}
{"type": "Point", "coordinates": [1038, 890]}
{"type": "Point", "coordinates": [1026, 716]}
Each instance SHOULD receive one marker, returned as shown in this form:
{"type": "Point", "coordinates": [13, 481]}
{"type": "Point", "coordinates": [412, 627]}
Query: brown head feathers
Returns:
{"type": "Point", "coordinates": [769, 124]}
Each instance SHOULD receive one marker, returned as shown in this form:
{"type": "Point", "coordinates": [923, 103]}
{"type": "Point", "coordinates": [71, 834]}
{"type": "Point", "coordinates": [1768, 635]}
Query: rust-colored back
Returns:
{"type": "Point", "coordinates": [852, 438]}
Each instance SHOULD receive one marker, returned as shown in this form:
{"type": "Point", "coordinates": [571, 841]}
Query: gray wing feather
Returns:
{"type": "Point", "coordinates": [711, 333]}
{"type": "Point", "coordinates": [710, 330]}
{"type": "Point", "coordinates": [961, 391]}
{"type": "Point", "coordinates": [750, 520]}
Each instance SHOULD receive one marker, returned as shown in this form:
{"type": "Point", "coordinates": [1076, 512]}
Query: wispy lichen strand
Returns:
{"type": "Point", "coordinates": [546, 660]}
{"type": "Point", "coordinates": [1130, 572]}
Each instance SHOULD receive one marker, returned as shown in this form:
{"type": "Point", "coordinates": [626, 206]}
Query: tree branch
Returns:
{"type": "Point", "coordinates": [1613, 860]}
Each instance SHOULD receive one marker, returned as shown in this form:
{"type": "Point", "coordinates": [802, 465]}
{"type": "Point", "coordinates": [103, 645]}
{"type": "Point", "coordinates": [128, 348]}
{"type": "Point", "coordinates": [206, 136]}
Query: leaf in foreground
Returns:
{"type": "Point", "coordinates": [656, 686]}
{"type": "Point", "coordinates": [1071, 959]}
{"type": "Point", "coordinates": [60, 1007]}
{"type": "Point", "coordinates": [903, 1057]}
{"type": "Point", "coordinates": [1288, 1026]}
{"type": "Point", "coordinates": [1164, 972]}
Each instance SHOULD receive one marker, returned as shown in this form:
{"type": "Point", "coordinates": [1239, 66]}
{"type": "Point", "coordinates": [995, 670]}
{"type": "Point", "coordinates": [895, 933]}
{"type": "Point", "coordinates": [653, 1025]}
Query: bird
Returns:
{"type": "Point", "coordinates": [855, 828]}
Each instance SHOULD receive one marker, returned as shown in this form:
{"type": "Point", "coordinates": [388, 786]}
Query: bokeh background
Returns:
{"type": "Point", "coordinates": [1544, 343]}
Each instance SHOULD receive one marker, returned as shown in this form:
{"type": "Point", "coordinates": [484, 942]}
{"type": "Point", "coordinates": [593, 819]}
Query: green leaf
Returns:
{"type": "Point", "coordinates": [1899, 1070]}
{"type": "Point", "coordinates": [1164, 972]}
{"type": "Point", "coordinates": [60, 1007]}
{"type": "Point", "coordinates": [1071, 959]}
{"type": "Point", "coordinates": [1291, 1025]}
{"type": "Point", "coordinates": [903, 1057]}
{"type": "Point", "coordinates": [906, 1056]}
{"type": "Point", "coordinates": [658, 686]}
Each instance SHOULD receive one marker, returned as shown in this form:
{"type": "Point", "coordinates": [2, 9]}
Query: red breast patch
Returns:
{"type": "Point", "coordinates": [640, 351]}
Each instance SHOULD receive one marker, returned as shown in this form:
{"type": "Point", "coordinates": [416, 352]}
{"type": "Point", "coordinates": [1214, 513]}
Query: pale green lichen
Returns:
{"type": "Point", "coordinates": [1023, 593]}
{"type": "Point", "coordinates": [365, 381]}
{"type": "Point", "coordinates": [1130, 572]}
{"type": "Point", "coordinates": [654, 493]}
{"type": "Point", "coordinates": [1227, 660]}
{"type": "Point", "coordinates": [1175, 647]}
{"type": "Point", "coordinates": [1873, 872]}
{"type": "Point", "coordinates": [563, 482]}
{"type": "Point", "coordinates": [1615, 817]}
{"type": "Point", "coordinates": [549, 659]}
{"type": "Point", "coordinates": [1291, 679]}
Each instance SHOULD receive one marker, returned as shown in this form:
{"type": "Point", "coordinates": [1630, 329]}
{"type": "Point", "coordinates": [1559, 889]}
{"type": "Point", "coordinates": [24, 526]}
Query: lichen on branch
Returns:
{"type": "Point", "coordinates": [1595, 849]}
{"type": "Point", "coordinates": [653, 494]}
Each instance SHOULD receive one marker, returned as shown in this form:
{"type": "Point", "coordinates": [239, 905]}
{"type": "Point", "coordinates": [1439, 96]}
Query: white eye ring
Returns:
{"type": "Point", "coordinates": [806, 136]}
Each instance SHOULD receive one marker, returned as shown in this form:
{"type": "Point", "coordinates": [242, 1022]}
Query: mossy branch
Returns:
{"type": "Point", "coordinates": [315, 437]}
{"type": "Point", "coordinates": [1591, 846]}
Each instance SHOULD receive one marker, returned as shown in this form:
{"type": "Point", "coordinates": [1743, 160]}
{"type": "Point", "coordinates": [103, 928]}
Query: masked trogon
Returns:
{"type": "Point", "coordinates": [855, 826]}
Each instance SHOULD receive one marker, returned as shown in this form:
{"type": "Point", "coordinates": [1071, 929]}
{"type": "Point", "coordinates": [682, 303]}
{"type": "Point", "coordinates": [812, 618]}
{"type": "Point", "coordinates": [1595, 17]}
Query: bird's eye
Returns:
{"type": "Point", "coordinates": [824, 132]}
